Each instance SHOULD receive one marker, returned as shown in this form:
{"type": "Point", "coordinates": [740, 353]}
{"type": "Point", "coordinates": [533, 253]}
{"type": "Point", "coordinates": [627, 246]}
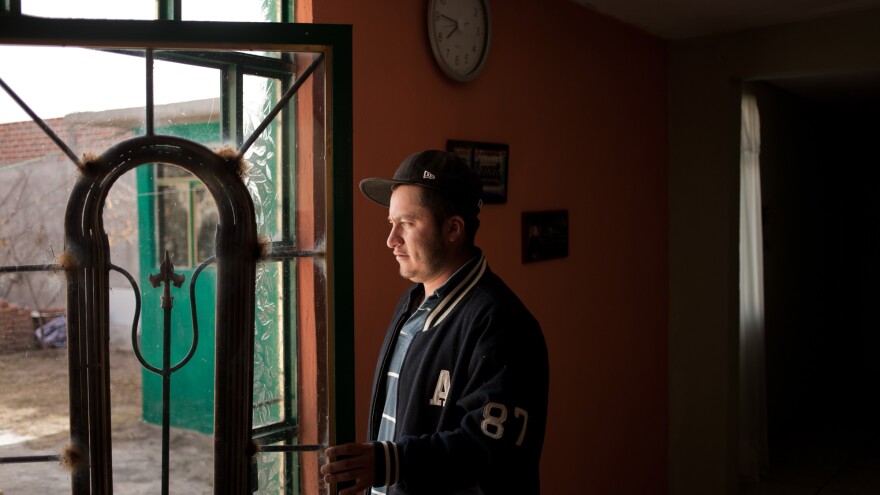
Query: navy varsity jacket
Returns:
{"type": "Point", "coordinates": [472, 395]}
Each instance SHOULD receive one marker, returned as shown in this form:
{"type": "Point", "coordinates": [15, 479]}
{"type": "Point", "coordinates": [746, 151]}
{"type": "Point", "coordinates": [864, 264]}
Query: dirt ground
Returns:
{"type": "Point", "coordinates": [34, 420]}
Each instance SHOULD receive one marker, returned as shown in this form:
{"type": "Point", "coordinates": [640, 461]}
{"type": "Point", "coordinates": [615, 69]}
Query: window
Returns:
{"type": "Point", "coordinates": [298, 181]}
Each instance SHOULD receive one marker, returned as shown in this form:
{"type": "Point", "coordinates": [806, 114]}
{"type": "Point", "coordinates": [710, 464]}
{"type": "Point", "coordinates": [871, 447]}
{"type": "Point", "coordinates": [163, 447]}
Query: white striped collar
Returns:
{"type": "Point", "coordinates": [450, 301]}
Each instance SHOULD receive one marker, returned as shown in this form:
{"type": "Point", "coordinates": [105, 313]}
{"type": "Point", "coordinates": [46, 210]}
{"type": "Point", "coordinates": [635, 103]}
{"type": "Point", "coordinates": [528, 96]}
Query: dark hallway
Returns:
{"type": "Point", "coordinates": [821, 215]}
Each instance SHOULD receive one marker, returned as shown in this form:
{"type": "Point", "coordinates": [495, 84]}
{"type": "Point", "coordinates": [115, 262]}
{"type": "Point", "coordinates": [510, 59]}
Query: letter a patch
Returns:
{"type": "Point", "coordinates": [441, 390]}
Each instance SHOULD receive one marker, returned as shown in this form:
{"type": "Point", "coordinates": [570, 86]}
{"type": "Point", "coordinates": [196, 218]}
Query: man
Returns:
{"type": "Point", "coordinates": [460, 393]}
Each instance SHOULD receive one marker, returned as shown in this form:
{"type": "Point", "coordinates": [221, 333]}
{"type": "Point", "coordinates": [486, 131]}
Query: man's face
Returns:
{"type": "Point", "coordinates": [415, 238]}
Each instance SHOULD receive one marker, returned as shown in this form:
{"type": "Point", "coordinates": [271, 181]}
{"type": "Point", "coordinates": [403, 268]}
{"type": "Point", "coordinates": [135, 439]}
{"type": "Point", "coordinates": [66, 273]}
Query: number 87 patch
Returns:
{"type": "Point", "coordinates": [494, 416]}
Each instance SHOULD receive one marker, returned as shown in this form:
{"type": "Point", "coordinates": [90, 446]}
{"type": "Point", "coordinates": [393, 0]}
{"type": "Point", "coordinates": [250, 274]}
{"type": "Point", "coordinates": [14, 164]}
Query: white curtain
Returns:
{"type": "Point", "coordinates": [752, 376]}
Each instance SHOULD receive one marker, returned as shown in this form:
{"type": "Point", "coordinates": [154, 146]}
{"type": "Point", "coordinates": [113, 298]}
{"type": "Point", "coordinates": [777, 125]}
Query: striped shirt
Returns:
{"type": "Point", "coordinates": [389, 412]}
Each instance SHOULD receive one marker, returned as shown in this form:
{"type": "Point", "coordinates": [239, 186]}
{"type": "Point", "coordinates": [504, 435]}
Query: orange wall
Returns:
{"type": "Point", "coordinates": [581, 101]}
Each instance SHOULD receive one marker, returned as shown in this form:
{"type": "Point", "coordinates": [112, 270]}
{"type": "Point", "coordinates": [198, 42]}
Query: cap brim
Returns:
{"type": "Point", "coordinates": [379, 190]}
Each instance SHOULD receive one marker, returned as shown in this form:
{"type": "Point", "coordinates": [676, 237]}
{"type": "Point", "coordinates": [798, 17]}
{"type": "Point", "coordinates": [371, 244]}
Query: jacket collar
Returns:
{"type": "Point", "coordinates": [453, 290]}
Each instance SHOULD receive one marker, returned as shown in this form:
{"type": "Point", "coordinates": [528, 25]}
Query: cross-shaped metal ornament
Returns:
{"type": "Point", "coordinates": [166, 274]}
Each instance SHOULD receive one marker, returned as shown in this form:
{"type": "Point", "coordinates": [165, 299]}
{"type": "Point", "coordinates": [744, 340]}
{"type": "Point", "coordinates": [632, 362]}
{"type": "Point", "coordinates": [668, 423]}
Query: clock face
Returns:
{"type": "Point", "coordinates": [460, 32]}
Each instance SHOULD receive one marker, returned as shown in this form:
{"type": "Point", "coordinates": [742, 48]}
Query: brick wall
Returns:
{"type": "Point", "coordinates": [16, 328]}
{"type": "Point", "coordinates": [24, 141]}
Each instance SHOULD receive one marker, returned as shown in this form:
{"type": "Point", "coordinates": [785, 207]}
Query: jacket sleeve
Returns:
{"type": "Point", "coordinates": [387, 468]}
{"type": "Point", "coordinates": [503, 408]}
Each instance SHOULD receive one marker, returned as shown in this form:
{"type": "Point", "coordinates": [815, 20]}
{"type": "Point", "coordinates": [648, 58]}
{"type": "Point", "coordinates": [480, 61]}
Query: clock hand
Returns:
{"type": "Point", "coordinates": [455, 22]}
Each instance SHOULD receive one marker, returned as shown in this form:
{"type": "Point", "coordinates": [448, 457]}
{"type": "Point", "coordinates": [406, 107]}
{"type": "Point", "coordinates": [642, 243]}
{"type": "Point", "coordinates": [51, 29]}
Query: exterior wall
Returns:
{"type": "Point", "coordinates": [35, 180]}
{"type": "Point", "coordinates": [581, 101]}
{"type": "Point", "coordinates": [705, 89]}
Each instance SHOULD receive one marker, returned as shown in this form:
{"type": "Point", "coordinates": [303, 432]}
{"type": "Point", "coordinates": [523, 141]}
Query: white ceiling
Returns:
{"type": "Point", "coordinates": [679, 19]}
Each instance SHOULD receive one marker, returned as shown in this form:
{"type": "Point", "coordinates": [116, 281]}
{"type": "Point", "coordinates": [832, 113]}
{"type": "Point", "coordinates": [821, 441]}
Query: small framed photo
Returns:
{"type": "Point", "coordinates": [490, 161]}
{"type": "Point", "coordinates": [544, 235]}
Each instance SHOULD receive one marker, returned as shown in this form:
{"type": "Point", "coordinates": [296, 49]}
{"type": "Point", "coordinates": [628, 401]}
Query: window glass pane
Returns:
{"type": "Point", "coordinates": [89, 98]}
{"type": "Point", "coordinates": [90, 9]}
{"type": "Point", "coordinates": [108, 104]}
{"type": "Point", "coordinates": [34, 185]}
{"type": "Point", "coordinates": [35, 181]}
{"type": "Point", "coordinates": [269, 345]}
{"type": "Point", "coordinates": [271, 471]}
{"type": "Point", "coordinates": [231, 10]}
{"type": "Point", "coordinates": [260, 96]}
{"type": "Point", "coordinates": [186, 95]}
{"type": "Point", "coordinates": [271, 350]}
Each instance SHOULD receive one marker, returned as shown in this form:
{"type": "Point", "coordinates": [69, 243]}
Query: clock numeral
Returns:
{"type": "Point", "coordinates": [440, 37]}
{"type": "Point", "coordinates": [456, 60]}
{"type": "Point", "coordinates": [466, 59]}
{"type": "Point", "coordinates": [436, 16]}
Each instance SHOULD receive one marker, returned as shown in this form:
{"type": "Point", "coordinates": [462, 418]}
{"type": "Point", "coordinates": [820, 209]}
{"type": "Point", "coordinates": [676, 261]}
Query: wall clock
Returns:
{"type": "Point", "coordinates": [460, 31]}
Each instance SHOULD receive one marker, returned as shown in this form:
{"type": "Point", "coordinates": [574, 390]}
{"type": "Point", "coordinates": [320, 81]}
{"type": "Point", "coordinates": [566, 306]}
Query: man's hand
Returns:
{"type": "Point", "coordinates": [358, 463]}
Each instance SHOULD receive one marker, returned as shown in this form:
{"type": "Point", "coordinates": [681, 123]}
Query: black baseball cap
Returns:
{"type": "Point", "coordinates": [443, 171]}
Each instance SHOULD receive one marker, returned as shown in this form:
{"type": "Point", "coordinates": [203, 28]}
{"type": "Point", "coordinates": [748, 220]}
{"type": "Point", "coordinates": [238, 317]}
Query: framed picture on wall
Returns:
{"type": "Point", "coordinates": [544, 235]}
{"type": "Point", "coordinates": [490, 161]}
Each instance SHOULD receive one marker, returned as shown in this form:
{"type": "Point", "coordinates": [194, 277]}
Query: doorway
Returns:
{"type": "Point", "coordinates": [821, 231]}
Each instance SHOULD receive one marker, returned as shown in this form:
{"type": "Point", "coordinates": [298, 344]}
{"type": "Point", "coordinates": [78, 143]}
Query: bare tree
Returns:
{"type": "Point", "coordinates": [31, 207]}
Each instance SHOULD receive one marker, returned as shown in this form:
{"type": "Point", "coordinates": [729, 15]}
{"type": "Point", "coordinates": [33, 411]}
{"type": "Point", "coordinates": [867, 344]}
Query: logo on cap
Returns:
{"type": "Point", "coordinates": [428, 175]}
